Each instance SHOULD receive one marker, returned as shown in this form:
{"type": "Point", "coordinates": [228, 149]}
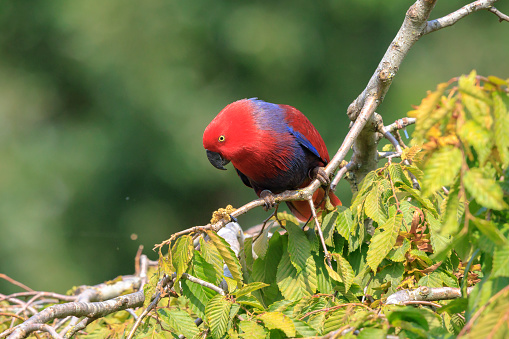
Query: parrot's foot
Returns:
{"type": "Point", "coordinates": [319, 173]}
{"type": "Point", "coordinates": [268, 197]}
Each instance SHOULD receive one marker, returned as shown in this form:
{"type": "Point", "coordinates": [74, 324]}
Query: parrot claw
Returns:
{"type": "Point", "coordinates": [319, 173]}
{"type": "Point", "coordinates": [268, 197]}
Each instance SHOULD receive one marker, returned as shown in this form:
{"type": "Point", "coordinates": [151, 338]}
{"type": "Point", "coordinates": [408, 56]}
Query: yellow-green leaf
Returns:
{"type": "Point", "coordinates": [293, 284]}
{"type": "Point", "coordinates": [180, 321]}
{"type": "Point", "coordinates": [383, 242]}
{"type": "Point", "coordinates": [218, 314]}
{"type": "Point", "coordinates": [228, 255]}
{"type": "Point", "coordinates": [484, 190]}
{"type": "Point", "coordinates": [440, 170]}
{"type": "Point", "coordinates": [182, 253]}
{"type": "Point", "coordinates": [279, 321]}
{"type": "Point", "coordinates": [251, 330]}
{"type": "Point", "coordinates": [345, 270]}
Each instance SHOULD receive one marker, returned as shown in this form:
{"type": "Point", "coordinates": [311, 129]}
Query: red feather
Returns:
{"type": "Point", "coordinates": [273, 147]}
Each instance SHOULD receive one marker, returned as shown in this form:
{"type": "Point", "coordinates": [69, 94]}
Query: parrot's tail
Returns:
{"type": "Point", "coordinates": [302, 210]}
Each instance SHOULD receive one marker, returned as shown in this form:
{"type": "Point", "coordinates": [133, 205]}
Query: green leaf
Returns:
{"type": "Point", "coordinates": [438, 241]}
{"type": "Point", "coordinates": [434, 279]}
{"type": "Point", "coordinates": [279, 321]}
{"type": "Point", "coordinates": [426, 113]}
{"type": "Point", "coordinates": [374, 207]}
{"type": "Point", "coordinates": [398, 175]}
{"type": "Point", "coordinates": [467, 85]}
{"type": "Point", "coordinates": [492, 323]}
{"type": "Point", "coordinates": [197, 294]}
{"type": "Point", "coordinates": [383, 242]}
{"type": "Point", "coordinates": [364, 189]}
{"type": "Point", "coordinates": [484, 190]}
{"type": "Point", "coordinates": [372, 333]}
{"type": "Point", "coordinates": [397, 254]}
{"type": "Point", "coordinates": [182, 253]}
{"type": "Point", "coordinates": [180, 321]}
{"type": "Point", "coordinates": [293, 284]}
{"type": "Point", "coordinates": [218, 315]}
{"type": "Point", "coordinates": [450, 222]}
{"type": "Point", "coordinates": [251, 330]}
{"type": "Point", "coordinates": [265, 269]}
{"type": "Point", "coordinates": [440, 170]}
{"type": "Point", "coordinates": [344, 270]}
{"type": "Point", "coordinates": [249, 288]}
{"type": "Point", "coordinates": [303, 329]}
{"type": "Point", "coordinates": [328, 226]}
{"type": "Point", "coordinates": [501, 126]}
{"type": "Point", "coordinates": [489, 229]}
{"type": "Point", "coordinates": [472, 133]}
{"type": "Point", "coordinates": [211, 255]}
{"type": "Point", "coordinates": [501, 261]}
{"type": "Point", "coordinates": [228, 255]}
{"type": "Point", "coordinates": [455, 306]}
{"type": "Point", "coordinates": [344, 222]}
{"type": "Point", "coordinates": [335, 320]}
{"type": "Point", "coordinates": [250, 300]}
{"type": "Point", "coordinates": [299, 247]}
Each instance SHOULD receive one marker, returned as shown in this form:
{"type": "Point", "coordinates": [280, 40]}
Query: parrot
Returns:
{"type": "Point", "coordinates": [273, 148]}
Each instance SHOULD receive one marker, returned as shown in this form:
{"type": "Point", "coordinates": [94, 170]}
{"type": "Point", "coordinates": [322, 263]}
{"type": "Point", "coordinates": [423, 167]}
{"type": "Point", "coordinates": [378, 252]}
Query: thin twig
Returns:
{"type": "Point", "coordinates": [452, 18]}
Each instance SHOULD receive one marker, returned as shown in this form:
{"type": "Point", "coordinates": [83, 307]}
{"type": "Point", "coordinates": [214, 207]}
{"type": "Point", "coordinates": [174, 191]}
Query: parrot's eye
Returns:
{"type": "Point", "coordinates": [221, 138]}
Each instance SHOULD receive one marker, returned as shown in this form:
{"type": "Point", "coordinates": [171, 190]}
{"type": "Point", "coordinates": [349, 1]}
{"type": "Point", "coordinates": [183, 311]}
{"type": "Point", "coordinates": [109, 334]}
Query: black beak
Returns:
{"type": "Point", "coordinates": [216, 160]}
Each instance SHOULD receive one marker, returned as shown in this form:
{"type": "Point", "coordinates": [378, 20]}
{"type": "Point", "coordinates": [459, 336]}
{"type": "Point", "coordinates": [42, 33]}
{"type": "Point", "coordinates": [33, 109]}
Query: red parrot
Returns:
{"type": "Point", "coordinates": [273, 147]}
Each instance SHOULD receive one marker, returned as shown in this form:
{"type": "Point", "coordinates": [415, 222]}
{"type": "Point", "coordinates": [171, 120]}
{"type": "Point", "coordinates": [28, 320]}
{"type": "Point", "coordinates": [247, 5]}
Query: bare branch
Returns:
{"type": "Point", "coordinates": [80, 309]}
{"type": "Point", "coordinates": [425, 293]}
{"type": "Point", "coordinates": [400, 124]}
{"type": "Point", "coordinates": [203, 283]}
{"type": "Point", "coordinates": [452, 18]}
{"type": "Point", "coordinates": [501, 16]}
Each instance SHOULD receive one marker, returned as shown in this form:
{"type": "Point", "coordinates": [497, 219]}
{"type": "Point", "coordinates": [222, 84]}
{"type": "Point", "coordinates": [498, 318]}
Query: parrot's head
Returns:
{"type": "Point", "coordinates": [228, 137]}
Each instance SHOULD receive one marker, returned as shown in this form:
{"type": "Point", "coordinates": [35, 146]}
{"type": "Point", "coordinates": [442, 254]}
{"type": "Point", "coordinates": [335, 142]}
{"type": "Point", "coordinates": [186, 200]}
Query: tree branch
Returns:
{"type": "Point", "coordinates": [452, 18]}
{"type": "Point", "coordinates": [425, 293]}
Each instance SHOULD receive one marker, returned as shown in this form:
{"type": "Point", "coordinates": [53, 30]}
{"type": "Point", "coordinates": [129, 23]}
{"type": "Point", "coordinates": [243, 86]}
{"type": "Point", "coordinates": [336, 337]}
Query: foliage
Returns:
{"type": "Point", "coordinates": [438, 218]}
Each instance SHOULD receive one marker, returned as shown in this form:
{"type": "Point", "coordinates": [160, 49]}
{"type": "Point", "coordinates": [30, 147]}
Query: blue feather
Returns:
{"type": "Point", "coordinates": [303, 141]}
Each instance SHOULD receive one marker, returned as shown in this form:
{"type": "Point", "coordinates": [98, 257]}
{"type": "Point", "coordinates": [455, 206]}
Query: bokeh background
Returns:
{"type": "Point", "coordinates": [103, 105]}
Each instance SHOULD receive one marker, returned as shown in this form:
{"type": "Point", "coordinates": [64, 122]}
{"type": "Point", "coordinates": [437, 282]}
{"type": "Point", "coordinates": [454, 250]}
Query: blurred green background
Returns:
{"type": "Point", "coordinates": [103, 105]}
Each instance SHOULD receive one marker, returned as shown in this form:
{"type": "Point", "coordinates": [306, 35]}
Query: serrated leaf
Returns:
{"type": "Point", "coordinates": [344, 270]}
{"type": "Point", "coordinates": [334, 321]}
{"type": "Point", "coordinates": [250, 300]}
{"type": "Point", "coordinates": [251, 330]}
{"type": "Point", "coordinates": [228, 255]}
{"type": "Point", "coordinates": [424, 111]}
{"type": "Point", "coordinates": [500, 128]}
{"type": "Point", "coordinates": [398, 254]}
{"type": "Point", "coordinates": [440, 170]}
{"type": "Point", "coordinates": [484, 190]}
{"type": "Point", "coordinates": [299, 247]}
{"type": "Point", "coordinates": [265, 269]}
{"type": "Point", "coordinates": [249, 288]}
{"type": "Point", "coordinates": [261, 243]}
{"type": "Point", "coordinates": [410, 153]}
{"type": "Point", "coordinates": [328, 226]}
{"type": "Point", "coordinates": [450, 222]}
{"type": "Point", "coordinates": [489, 229]}
{"type": "Point", "coordinates": [293, 284]}
{"type": "Point", "coordinates": [182, 253]}
{"type": "Point", "coordinates": [364, 188]}
{"type": "Point", "coordinates": [374, 207]}
{"type": "Point", "coordinates": [501, 261]}
{"type": "Point", "coordinates": [434, 279]}
{"type": "Point", "coordinates": [197, 294]}
{"type": "Point", "coordinates": [438, 241]}
{"type": "Point", "coordinates": [285, 216]}
{"type": "Point", "coordinates": [467, 85]}
{"type": "Point", "coordinates": [150, 288]}
{"type": "Point", "coordinates": [398, 175]}
{"type": "Point", "coordinates": [303, 329]}
{"type": "Point", "coordinates": [344, 222]}
{"type": "Point", "coordinates": [180, 321]}
{"type": "Point", "coordinates": [278, 321]}
{"type": "Point", "coordinates": [472, 133]}
{"type": "Point", "coordinates": [383, 242]}
{"type": "Point", "coordinates": [211, 255]}
{"type": "Point", "coordinates": [372, 333]}
{"type": "Point", "coordinates": [218, 315]}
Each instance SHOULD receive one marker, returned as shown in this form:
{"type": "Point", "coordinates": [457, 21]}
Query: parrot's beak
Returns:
{"type": "Point", "coordinates": [216, 160]}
